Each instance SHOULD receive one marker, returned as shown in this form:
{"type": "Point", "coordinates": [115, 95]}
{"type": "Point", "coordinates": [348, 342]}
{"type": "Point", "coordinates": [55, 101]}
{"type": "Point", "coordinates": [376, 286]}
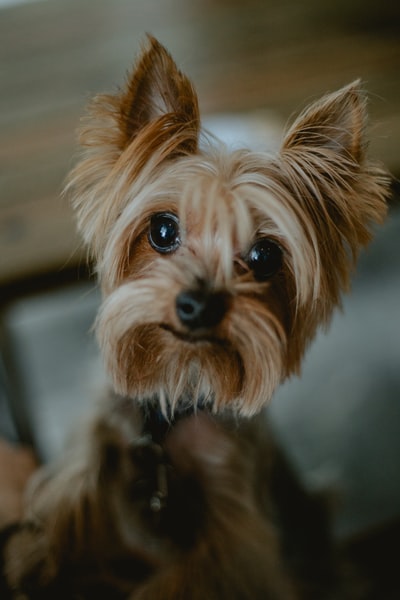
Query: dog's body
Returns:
{"type": "Point", "coordinates": [209, 539]}
{"type": "Point", "coordinates": [212, 511]}
{"type": "Point", "coordinates": [217, 268]}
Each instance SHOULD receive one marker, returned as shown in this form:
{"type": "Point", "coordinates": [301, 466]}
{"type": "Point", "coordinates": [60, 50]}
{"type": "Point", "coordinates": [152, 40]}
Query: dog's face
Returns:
{"type": "Point", "coordinates": [217, 267]}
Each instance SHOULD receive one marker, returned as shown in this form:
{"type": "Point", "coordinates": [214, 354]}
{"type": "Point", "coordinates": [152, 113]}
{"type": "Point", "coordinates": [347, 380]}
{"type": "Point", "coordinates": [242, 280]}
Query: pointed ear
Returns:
{"type": "Point", "coordinates": [336, 123]}
{"type": "Point", "coordinates": [157, 111]}
{"type": "Point", "coordinates": [339, 190]}
{"type": "Point", "coordinates": [156, 88]}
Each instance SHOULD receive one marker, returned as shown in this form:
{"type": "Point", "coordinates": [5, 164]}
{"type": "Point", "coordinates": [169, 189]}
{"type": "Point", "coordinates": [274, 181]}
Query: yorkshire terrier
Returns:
{"type": "Point", "coordinates": [216, 267]}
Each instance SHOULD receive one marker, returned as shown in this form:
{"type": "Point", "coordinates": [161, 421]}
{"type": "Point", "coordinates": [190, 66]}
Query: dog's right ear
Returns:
{"type": "Point", "coordinates": [157, 99]}
{"type": "Point", "coordinates": [155, 117]}
{"type": "Point", "coordinates": [157, 89]}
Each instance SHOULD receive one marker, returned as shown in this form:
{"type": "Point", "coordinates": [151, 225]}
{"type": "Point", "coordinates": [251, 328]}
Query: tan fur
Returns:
{"type": "Point", "coordinates": [318, 198]}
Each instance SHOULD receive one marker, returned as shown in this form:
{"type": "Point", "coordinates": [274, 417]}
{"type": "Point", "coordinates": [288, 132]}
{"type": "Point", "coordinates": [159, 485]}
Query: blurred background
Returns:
{"type": "Point", "coordinates": [254, 64]}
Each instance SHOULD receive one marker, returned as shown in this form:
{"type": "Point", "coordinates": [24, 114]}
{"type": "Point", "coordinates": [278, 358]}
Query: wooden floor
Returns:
{"type": "Point", "coordinates": [242, 56]}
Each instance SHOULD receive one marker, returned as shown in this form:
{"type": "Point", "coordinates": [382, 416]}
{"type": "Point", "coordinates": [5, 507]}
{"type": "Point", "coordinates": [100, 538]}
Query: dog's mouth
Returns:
{"type": "Point", "coordinates": [200, 336]}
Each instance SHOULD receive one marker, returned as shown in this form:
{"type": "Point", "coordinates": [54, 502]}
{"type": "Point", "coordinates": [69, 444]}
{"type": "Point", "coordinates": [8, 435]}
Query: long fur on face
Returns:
{"type": "Point", "coordinates": [317, 198]}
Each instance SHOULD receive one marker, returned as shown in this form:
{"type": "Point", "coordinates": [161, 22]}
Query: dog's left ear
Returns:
{"type": "Point", "coordinates": [325, 162]}
{"type": "Point", "coordinates": [339, 191]}
{"type": "Point", "coordinates": [334, 123]}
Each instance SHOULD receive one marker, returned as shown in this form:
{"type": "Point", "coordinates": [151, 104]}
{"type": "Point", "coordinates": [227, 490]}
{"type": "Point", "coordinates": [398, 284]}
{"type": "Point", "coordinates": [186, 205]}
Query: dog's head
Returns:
{"type": "Point", "coordinates": [217, 267]}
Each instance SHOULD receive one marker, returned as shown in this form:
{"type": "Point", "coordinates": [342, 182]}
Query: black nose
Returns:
{"type": "Point", "coordinates": [201, 308]}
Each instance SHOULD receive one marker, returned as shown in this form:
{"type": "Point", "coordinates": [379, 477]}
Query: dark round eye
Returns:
{"type": "Point", "coordinates": [164, 232]}
{"type": "Point", "coordinates": [264, 259]}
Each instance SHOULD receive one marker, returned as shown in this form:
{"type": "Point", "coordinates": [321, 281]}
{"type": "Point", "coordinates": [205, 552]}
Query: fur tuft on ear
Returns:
{"type": "Point", "coordinates": [325, 167]}
{"type": "Point", "coordinates": [155, 116]}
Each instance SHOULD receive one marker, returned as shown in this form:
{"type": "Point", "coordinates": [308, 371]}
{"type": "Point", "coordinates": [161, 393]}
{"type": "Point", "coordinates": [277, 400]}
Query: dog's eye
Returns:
{"type": "Point", "coordinates": [264, 259]}
{"type": "Point", "coordinates": [164, 232]}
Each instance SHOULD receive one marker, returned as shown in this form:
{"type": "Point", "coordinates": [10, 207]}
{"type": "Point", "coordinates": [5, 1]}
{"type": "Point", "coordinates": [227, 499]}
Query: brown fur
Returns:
{"type": "Point", "coordinates": [317, 199]}
{"type": "Point", "coordinates": [102, 535]}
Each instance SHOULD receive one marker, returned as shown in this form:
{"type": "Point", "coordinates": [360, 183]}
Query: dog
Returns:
{"type": "Point", "coordinates": [217, 268]}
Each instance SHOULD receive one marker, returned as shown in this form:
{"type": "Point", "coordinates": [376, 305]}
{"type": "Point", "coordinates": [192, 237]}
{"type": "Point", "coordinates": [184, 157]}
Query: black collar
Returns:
{"type": "Point", "coordinates": [157, 424]}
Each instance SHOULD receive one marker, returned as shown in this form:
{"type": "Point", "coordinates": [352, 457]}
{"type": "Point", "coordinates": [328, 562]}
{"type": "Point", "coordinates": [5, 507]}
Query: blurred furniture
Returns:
{"type": "Point", "coordinates": [242, 56]}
